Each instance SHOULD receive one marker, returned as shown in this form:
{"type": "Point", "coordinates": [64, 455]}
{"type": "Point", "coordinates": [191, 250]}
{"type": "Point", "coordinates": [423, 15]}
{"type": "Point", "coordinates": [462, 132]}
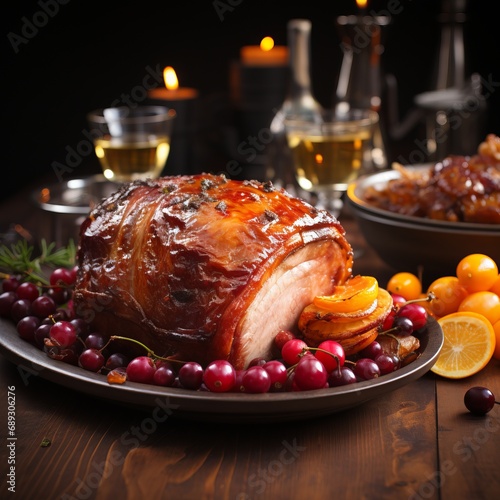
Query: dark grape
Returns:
{"type": "Point", "coordinates": [95, 341]}
{"type": "Point", "coordinates": [43, 306]}
{"type": "Point", "coordinates": [42, 333]}
{"type": "Point", "coordinates": [7, 299]}
{"type": "Point", "coordinates": [366, 369]}
{"type": "Point", "coordinates": [164, 375]}
{"type": "Point", "coordinates": [479, 400]}
{"type": "Point", "coordinates": [386, 363]}
{"type": "Point", "coordinates": [371, 350]}
{"type": "Point", "coordinates": [116, 360]}
{"type": "Point", "coordinates": [20, 308]}
{"type": "Point", "coordinates": [58, 295]}
{"type": "Point", "coordinates": [191, 375]}
{"type": "Point", "coordinates": [28, 291]}
{"type": "Point", "coordinates": [91, 360]}
{"type": "Point", "coordinates": [404, 325]}
{"type": "Point", "coordinates": [342, 376]}
{"type": "Point", "coordinates": [10, 284]}
{"type": "Point", "coordinates": [26, 327]}
{"type": "Point", "coordinates": [81, 326]}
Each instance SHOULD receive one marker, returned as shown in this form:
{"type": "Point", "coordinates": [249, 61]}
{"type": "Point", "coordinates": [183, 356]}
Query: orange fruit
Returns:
{"type": "Point", "coordinates": [486, 303]}
{"type": "Point", "coordinates": [496, 328]}
{"type": "Point", "coordinates": [448, 295]}
{"type": "Point", "coordinates": [405, 284]}
{"type": "Point", "coordinates": [469, 343]}
{"type": "Point", "coordinates": [357, 294]}
{"type": "Point", "coordinates": [496, 286]}
{"type": "Point", "coordinates": [477, 272]}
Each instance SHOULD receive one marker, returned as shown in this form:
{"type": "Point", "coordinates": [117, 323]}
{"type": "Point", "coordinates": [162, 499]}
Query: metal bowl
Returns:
{"type": "Point", "coordinates": [66, 204]}
{"type": "Point", "coordinates": [76, 196]}
{"type": "Point", "coordinates": [414, 244]}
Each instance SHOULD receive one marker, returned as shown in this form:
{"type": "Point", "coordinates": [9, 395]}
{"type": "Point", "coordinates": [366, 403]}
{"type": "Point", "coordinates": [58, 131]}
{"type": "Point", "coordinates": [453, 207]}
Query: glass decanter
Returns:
{"type": "Point", "coordinates": [299, 103]}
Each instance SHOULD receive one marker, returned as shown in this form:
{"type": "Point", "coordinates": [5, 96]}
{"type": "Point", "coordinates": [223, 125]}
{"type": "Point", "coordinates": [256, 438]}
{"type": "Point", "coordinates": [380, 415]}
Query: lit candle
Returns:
{"type": "Point", "coordinates": [265, 54]}
{"type": "Point", "coordinates": [172, 92]}
{"type": "Point", "coordinates": [362, 4]}
{"type": "Point", "coordinates": [185, 102]}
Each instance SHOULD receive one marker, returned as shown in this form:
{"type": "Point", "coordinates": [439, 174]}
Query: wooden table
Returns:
{"type": "Point", "coordinates": [417, 442]}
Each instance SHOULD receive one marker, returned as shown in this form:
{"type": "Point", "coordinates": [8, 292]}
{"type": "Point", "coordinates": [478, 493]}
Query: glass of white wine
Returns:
{"type": "Point", "coordinates": [330, 153]}
{"type": "Point", "coordinates": [132, 143]}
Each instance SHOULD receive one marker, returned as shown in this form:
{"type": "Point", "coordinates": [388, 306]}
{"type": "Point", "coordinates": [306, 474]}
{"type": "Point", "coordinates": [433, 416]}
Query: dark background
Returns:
{"type": "Point", "coordinates": [90, 52]}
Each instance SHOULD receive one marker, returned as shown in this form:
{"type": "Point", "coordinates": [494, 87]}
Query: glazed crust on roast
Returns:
{"type": "Point", "coordinates": [177, 262]}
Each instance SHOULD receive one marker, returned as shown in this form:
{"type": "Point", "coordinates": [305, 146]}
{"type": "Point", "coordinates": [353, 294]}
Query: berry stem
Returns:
{"type": "Point", "coordinates": [325, 351]}
{"type": "Point", "coordinates": [150, 352]}
{"type": "Point", "coordinates": [389, 332]}
{"type": "Point", "coordinates": [429, 298]}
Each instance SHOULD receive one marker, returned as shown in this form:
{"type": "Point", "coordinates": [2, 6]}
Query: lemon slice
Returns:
{"type": "Point", "coordinates": [357, 294]}
{"type": "Point", "coordinates": [469, 343]}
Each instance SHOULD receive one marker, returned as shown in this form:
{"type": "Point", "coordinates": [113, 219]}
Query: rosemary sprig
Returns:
{"type": "Point", "coordinates": [18, 259]}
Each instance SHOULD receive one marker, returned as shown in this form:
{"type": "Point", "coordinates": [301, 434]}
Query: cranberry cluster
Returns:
{"type": "Point", "coordinates": [44, 317]}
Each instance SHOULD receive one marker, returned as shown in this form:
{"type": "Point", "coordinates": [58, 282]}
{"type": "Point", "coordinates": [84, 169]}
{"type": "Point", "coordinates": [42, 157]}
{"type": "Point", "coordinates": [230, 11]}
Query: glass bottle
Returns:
{"type": "Point", "coordinates": [299, 103]}
{"type": "Point", "coordinates": [360, 82]}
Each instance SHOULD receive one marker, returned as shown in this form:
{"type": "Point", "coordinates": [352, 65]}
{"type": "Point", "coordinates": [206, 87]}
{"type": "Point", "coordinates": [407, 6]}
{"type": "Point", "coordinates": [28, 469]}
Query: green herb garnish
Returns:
{"type": "Point", "coordinates": [18, 259]}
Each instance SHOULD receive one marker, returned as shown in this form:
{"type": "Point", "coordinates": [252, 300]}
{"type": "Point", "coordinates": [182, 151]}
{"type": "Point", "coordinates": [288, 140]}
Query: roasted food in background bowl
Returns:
{"type": "Point", "coordinates": [413, 216]}
{"type": "Point", "coordinates": [456, 189]}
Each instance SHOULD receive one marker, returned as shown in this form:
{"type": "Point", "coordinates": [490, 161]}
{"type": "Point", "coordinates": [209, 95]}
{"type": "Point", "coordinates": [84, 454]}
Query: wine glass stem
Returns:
{"type": "Point", "coordinates": [330, 201]}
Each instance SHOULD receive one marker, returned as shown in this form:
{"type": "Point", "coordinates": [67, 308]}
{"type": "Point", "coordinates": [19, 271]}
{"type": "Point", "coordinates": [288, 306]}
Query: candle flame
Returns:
{"type": "Point", "coordinates": [170, 77]}
{"type": "Point", "coordinates": [361, 3]}
{"type": "Point", "coordinates": [319, 158]}
{"type": "Point", "coordinates": [267, 44]}
{"type": "Point", "coordinates": [45, 195]}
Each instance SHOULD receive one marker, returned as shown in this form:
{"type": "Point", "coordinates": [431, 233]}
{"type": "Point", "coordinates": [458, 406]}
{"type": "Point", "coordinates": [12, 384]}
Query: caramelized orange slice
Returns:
{"type": "Point", "coordinates": [356, 294]}
{"type": "Point", "coordinates": [318, 325]}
